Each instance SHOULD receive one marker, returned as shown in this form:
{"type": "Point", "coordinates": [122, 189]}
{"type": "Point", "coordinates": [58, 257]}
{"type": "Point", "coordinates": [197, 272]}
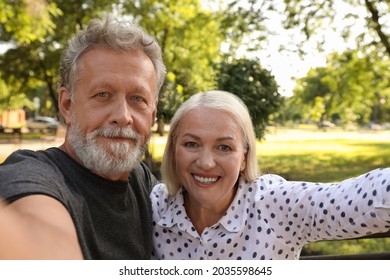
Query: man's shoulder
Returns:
{"type": "Point", "coordinates": [26, 157]}
{"type": "Point", "coordinates": [27, 172]}
{"type": "Point", "coordinates": [141, 174]}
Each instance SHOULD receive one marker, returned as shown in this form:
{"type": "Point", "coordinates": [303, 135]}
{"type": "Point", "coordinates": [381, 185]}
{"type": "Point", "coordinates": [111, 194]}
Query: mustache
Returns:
{"type": "Point", "coordinates": [116, 132]}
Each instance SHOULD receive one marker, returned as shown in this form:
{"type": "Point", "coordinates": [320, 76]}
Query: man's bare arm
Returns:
{"type": "Point", "coordinates": [37, 227]}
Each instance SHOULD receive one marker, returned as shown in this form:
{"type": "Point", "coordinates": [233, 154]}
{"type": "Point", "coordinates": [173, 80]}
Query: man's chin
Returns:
{"type": "Point", "coordinates": [114, 176]}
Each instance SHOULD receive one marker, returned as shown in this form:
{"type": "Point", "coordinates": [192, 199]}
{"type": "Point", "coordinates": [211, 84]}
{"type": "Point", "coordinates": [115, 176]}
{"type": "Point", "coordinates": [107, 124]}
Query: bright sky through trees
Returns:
{"type": "Point", "coordinates": [287, 65]}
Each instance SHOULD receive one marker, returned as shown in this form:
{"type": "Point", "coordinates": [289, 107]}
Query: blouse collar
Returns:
{"type": "Point", "coordinates": [233, 220]}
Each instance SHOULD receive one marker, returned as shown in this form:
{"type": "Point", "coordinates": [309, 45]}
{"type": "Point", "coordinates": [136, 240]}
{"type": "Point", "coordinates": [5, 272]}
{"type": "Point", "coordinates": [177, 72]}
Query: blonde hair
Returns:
{"type": "Point", "coordinates": [219, 100]}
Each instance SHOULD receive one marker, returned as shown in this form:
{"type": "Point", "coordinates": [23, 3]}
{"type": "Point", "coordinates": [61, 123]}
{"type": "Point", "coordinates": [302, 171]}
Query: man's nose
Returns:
{"type": "Point", "coordinates": [121, 114]}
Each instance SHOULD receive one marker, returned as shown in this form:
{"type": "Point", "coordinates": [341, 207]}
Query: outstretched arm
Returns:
{"type": "Point", "coordinates": [37, 227]}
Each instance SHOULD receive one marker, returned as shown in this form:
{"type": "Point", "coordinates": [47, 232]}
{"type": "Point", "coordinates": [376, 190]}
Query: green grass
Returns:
{"type": "Point", "coordinates": [322, 160]}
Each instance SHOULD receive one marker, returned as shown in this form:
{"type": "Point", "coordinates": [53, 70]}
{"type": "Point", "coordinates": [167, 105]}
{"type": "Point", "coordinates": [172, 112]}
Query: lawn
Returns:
{"type": "Point", "coordinates": [322, 160]}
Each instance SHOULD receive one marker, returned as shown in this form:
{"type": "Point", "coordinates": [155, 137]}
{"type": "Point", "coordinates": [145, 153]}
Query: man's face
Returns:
{"type": "Point", "coordinates": [113, 111]}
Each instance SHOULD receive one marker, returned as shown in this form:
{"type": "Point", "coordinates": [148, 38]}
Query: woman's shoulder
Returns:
{"type": "Point", "coordinates": [269, 180]}
{"type": "Point", "coordinates": [159, 192]}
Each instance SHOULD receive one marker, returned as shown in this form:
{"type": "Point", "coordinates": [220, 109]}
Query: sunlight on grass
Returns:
{"type": "Point", "coordinates": [322, 160]}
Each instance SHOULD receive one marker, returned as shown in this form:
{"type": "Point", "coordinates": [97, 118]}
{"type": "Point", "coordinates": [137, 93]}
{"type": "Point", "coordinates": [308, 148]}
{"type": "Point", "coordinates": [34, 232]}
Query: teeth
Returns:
{"type": "Point", "coordinates": [205, 180]}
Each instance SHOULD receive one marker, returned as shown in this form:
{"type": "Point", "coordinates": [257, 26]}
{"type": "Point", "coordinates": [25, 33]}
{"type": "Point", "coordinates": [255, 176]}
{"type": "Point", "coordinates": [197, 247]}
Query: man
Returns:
{"type": "Point", "coordinates": [89, 198]}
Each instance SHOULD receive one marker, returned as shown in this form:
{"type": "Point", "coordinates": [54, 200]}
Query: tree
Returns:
{"type": "Point", "coordinates": [26, 21]}
{"type": "Point", "coordinates": [190, 39]}
{"type": "Point", "coordinates": [351, 87]}
{"type": "Point", "coordinates": [22, 23]}
{"type": "Point", "coordinates": [190, 35]}
{"type": "Point", "coordinates": [30, 67]}
{"type": "Point", "coordinates": [255, 86]}
{"type": "Point", "coordinates": [312, 17]}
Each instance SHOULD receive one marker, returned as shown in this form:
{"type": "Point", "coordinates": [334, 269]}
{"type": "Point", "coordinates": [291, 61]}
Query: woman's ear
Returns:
{"type": "Point", "coordinates": [65, 104]}
{"type": "Point", "coordinates": [243, 163]}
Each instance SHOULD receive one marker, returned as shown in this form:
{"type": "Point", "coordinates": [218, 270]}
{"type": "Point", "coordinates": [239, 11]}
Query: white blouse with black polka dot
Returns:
{"type": "Point", "coordinates": [273, 218]}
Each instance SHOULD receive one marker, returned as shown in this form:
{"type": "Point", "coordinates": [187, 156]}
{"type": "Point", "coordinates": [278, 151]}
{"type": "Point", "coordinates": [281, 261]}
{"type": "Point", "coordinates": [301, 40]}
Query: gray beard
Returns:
{"type": "Point", "coordinates": [113, 158]}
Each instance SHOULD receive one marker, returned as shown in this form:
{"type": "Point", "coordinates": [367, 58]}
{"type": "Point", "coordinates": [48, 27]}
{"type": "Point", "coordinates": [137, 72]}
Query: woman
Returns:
{"type": "Point", "coordinates": [214, 204]}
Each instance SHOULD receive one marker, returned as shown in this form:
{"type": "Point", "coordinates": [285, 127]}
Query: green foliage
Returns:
{"type": "Point", "coordinates": [244, 19]}
{"type": "Point", "coordinates": [255, 86]}
{"type": "Point", "coordinates": [26, 21]}
{"type": "Point", "coordinates": [318, 109]}
{"type": "Point", "coordinates": [190, 36]}
{"type": "Point", "coordinates": [190, 39]}
{"type": "Point", "coordinates": [30, 70]}
{"type": "Point", "coordinates": [311, 20]}
{"type": "Point", "coordinates": [349, 88]}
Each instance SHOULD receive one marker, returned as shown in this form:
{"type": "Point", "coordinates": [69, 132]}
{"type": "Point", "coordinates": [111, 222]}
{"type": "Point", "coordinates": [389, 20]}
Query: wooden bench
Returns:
{"type": "Point", "coordinates": [369, 256]}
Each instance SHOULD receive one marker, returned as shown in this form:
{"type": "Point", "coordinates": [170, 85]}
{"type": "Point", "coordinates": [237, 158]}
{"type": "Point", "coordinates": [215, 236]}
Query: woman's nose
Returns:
{"type": "Point", "coordinates": [206, 159]}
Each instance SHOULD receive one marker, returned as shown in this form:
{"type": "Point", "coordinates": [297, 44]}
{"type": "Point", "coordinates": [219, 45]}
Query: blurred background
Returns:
{"type": "Point", "coordinates": [314, 75]}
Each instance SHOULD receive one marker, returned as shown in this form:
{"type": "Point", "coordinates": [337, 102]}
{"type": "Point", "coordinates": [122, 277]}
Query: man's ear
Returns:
{"type": "Point", "coordinates": [65, 104]}
{"type": "Point", "coordinates": [154, 114]}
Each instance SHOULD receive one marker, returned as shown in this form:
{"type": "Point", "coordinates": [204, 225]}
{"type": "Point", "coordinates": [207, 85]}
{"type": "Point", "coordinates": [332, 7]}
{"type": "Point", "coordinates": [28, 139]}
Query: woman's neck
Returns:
{"type": "Point", "coordinates": [202, 217]}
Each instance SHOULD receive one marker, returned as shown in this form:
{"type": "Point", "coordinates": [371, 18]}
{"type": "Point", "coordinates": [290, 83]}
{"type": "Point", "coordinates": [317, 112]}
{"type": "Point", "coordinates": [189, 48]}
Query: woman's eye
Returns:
{"type": "Point", "coordinates": [191, 144]}
{"type": "Point", "coordinates": [224, 148]}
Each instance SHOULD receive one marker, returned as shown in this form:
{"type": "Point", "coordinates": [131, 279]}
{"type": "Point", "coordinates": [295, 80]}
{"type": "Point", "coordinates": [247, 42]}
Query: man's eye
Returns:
{"type": "Point", "coordinates": [102, 94]}
{"type": "Point", "coordinates": [137, 98]}
{"type": "Point", "coordinates": [138, 102]}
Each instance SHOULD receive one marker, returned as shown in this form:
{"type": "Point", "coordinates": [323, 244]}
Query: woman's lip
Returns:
{"type": "Point", "coordinates": [205, 180]}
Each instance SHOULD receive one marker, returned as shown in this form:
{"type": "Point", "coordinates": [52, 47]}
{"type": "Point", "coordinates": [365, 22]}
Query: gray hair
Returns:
{"type": "Point", "coordinates": [219, 100]}
{"type": "Point", "coordinates": [113, 34]}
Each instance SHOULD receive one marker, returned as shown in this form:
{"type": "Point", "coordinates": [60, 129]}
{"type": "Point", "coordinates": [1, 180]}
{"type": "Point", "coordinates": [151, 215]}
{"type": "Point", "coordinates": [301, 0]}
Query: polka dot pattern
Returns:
{"type": "Point", "coordinates": [273, 218]}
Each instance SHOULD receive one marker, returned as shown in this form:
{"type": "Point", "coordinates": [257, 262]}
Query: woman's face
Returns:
{"type": "Point", "coordinates": [209, 154]}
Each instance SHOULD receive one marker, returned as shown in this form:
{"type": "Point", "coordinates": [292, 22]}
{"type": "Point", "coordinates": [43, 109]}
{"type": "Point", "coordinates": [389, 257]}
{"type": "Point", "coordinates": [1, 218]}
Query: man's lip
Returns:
{"type": "Point", "coordinates": [118, 138]}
